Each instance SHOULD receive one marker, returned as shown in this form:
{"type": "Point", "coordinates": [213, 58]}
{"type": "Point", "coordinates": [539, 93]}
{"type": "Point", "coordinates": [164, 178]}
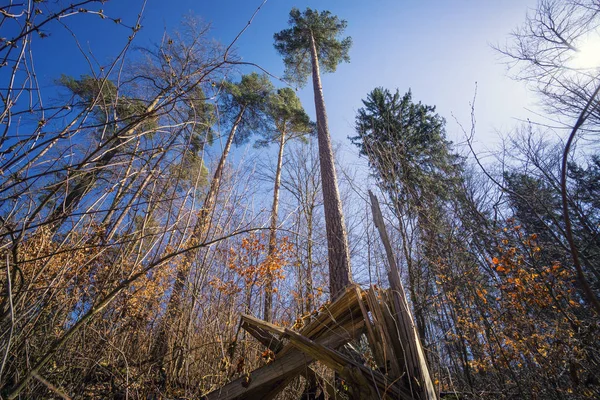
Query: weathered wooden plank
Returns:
{"type": "Point", "coordinates": [265, 338]}
{"type": "Point", "coordinates": [344, 310]}
{"type": "Point", "coordinates": [407, 331]}
{"type": "Point", "coordinates": [310, 374]}
{"type": "Point", "coordinates": [396, 363]}
{"type": "Point", "coordinates": [365, 382]}
{"type": "Point", "coordinates": [270, 376]}
{"type": "Point", "coordinates": [347, 368]}
{"type": "Point", "coordinates": [337, 324]}
{"type": "Point", "coordinates": [275, 345]}
{"type": "Point", "coordinates": [374, 344]}
{"type": "Point", "coordinates": [337, 313]}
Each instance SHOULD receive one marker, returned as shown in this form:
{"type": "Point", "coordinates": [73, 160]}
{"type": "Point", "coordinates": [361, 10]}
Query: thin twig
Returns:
{"type": "Point", "coordinates": [51, 387]}
{"type": "Point", "coordinates": [585, 113]}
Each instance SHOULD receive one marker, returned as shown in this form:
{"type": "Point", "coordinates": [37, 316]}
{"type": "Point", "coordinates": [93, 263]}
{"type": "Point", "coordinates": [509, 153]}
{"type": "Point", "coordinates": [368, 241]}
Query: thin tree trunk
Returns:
{"type": "Point", "coordinates": [268, 312]}
{"type": "Point", "coordinates": [337, 239]}
{"type": "Point", "coordinates": [211, 197]}
{"type": "Point", "coordinates": [412, 276]}
{"type": "Point", "coordinates": [309, 261]}
{"type": "Point", "coordinates": [160, 347]}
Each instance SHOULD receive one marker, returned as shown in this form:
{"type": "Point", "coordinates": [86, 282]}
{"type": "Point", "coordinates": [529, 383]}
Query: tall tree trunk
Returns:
{"type": "Point", "coordinates": [211, 196]}
{"type": "Point", "coordinates": [413, 278]}
{"type": "Point", "coordinates": [160, 347]}
{"type": "Point", "coordinates": [337, 239]}
{"type": "Point", "coordinates": [268, 311]}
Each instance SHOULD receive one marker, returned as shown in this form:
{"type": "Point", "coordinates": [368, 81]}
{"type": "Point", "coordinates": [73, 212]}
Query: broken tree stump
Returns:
{"type": "Point", "coordinates": [400, 369]}
{"type": "Point", "coordinates": [355, 313]}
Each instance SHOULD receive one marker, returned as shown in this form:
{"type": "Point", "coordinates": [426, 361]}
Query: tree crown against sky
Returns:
{"type": "Point", "coordinates": [202, 116]}
{"type": "Point", "coordinates": [196, 135]}
{"type": "Point", "coordinates": [103, 98]}
{"type": "Point", "coordinates": [555, 51]}
{"type": "Point", "coordinates": [405, 141]}
{"type": "Point", "coordinates": [288, 117]}
{"type": "Point", "coordinates": [247, 97]}
{"type": "Point", "coordinates": [294, 43]}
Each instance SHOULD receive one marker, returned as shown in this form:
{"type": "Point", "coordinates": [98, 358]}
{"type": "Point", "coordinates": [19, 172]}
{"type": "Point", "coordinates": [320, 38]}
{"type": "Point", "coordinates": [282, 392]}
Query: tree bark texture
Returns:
{"type": "Point", "coordinates": [337, 239]}
{"type": "Point", "coordinates": [268, 311]}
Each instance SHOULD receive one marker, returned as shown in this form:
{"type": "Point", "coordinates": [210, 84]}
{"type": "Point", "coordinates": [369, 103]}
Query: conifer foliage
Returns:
{"type": "Point", "coordinates": [137, 224]}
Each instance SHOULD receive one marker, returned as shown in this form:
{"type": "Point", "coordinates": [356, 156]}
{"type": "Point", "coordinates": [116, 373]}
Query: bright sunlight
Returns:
{"type": "Point", "coordinates": [588, 54]}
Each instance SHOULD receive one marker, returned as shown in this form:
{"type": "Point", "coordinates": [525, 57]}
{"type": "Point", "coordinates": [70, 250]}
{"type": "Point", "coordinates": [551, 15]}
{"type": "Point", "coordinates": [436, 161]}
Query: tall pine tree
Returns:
{"type": "Point", "coordinates": [310, 43]}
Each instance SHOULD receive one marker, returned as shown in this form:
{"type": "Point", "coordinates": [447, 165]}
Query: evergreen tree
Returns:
{"type": "Point", "coordinates": [408, 153]}
{"type": "Point", "coordinates": [536, 203]}
{"type": "Point", "coordinates": [310, 43]}
{"type": "Point", "coordinates": [196, 134]}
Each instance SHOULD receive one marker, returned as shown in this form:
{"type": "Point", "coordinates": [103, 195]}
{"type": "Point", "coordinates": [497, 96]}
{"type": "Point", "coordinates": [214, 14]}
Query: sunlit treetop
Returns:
{"type": "Point", "coordinates": [294, 43]}
{"type": "Point", "coordinates": [107, 103]}
{"type": "Point", "coordinates": [288, 115]}
{"type": "Point", "coordinates": [246, 100]}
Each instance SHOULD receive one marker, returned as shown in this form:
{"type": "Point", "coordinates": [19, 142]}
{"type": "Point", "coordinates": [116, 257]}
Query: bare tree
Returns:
{"type": "Point", "coordinates": [98, 200]}
{"type": "Point", "coordinates": [551, 51]}
{"type": "Point", "coordinates": [547, 48]}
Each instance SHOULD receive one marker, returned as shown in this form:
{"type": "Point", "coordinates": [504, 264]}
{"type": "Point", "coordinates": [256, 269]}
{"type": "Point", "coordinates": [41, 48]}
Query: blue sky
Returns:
{"type": "Point", "coordinates": [438, 48]}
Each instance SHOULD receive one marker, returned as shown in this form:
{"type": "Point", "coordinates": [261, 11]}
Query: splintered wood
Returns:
{"type": "Point", "coordinates": [398, 368]}
{"type": "Point", "coordinates": [355, 313]}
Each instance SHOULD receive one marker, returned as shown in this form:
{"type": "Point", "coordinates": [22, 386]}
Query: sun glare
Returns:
{"type": "Point", "coordinates": [588, 54]}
